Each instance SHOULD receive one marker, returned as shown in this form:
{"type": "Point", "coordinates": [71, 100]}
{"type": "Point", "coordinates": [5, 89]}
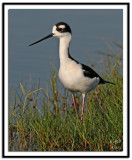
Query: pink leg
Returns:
{"type": "Point", "coordinates": [83, 106]}
{"type": "Point", "coordinates": [74, 102]}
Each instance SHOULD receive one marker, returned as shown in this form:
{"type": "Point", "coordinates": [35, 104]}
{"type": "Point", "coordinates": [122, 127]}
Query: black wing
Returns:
{"type": "Point", "coordinates": [89, 72]}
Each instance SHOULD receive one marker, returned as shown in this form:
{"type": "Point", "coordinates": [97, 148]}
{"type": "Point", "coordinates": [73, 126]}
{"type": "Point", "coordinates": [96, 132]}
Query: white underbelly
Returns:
{"type": "Point", "coordinates": [72, 78]}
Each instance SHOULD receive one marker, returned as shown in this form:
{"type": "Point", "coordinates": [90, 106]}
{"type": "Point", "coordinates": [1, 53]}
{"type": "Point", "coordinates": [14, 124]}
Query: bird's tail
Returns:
{"type": "Point", "coordinates": [109, 82]}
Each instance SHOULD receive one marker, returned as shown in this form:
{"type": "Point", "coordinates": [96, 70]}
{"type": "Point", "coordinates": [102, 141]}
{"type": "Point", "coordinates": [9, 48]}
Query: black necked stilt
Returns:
{"type": "Point", "coordinates": [74, 76]}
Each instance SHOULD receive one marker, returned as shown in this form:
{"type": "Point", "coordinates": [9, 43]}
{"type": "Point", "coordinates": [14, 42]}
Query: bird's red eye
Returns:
{"type": "Point", "coordinates": [59, 29]}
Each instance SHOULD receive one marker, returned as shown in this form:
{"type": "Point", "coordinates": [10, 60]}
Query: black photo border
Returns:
{"type": "Point", "coordinates": [128, 80]}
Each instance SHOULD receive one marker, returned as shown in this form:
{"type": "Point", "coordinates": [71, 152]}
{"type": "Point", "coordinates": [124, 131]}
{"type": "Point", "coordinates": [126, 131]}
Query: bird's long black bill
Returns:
{"type": "Point", "coordinates": [50, 35]}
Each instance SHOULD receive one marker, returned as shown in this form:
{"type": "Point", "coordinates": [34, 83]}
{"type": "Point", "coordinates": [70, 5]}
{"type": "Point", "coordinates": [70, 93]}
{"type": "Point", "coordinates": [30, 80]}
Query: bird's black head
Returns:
{"type": "Point", "coordinates": [63, 27]}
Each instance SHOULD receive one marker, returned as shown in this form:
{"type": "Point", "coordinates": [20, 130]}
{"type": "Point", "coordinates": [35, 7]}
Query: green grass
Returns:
{"type": "Point", "coordinates": [42, 120]}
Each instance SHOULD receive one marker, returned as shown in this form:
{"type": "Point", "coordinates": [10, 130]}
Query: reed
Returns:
{"type": "Point", "coordinates": [50, 123]}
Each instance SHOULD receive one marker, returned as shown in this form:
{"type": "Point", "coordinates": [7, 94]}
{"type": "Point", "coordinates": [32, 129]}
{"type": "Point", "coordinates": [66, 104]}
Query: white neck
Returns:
{"type": "Point", "coordinates": [63, 48]}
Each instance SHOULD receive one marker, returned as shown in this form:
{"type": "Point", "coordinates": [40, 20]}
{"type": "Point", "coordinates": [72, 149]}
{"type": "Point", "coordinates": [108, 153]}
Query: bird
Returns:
{"type": "Point", "coordinates": [74, 76]}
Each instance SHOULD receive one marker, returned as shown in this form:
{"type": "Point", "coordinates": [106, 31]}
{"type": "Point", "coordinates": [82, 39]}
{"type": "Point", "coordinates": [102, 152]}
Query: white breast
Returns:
{"type": "Point", "coordinates": [72, 77]}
